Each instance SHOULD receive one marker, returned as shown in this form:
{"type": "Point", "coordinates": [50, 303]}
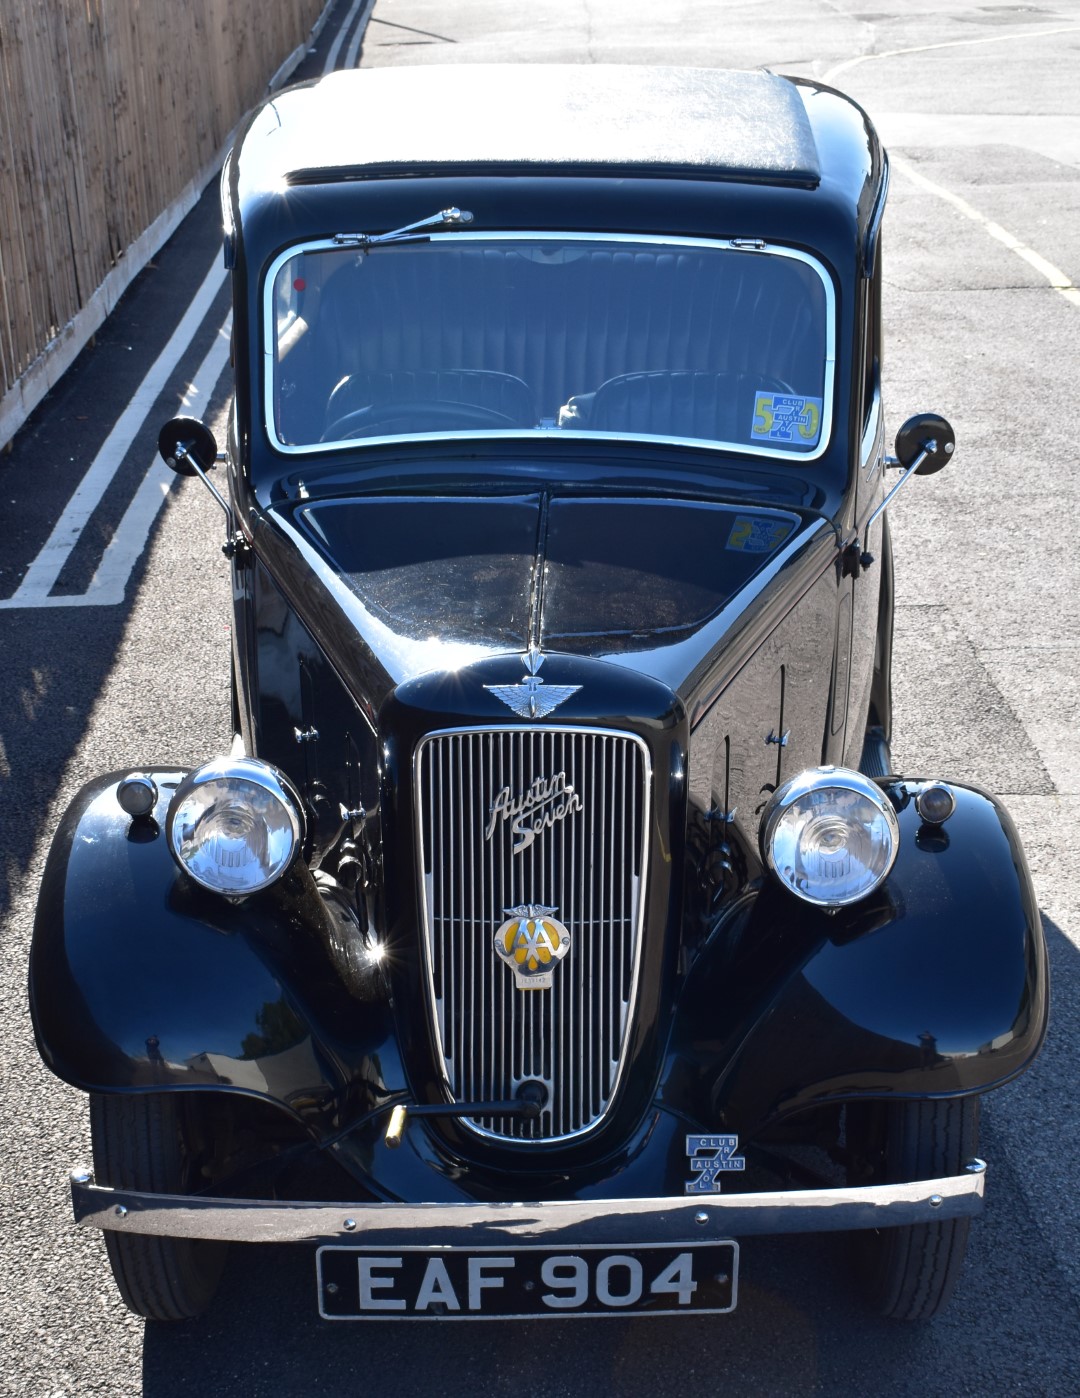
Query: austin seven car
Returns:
{"type": "Point", "coordinates": [557, 924]}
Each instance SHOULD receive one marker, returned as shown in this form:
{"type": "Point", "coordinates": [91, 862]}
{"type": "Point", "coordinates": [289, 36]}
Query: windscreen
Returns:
{"type": "Point", "coordinates": [464, 334]}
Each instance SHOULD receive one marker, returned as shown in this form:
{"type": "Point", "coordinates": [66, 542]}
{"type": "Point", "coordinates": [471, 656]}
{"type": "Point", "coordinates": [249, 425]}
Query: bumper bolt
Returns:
{"type": "Point", "coordinates": [935, 1201]}
{"type": "Point", "coordinates": [120, 1211]}
{"type": "Point", "coordinates": [350, 1225]}
{"type": "Point", "coordinates": [701, 1218]}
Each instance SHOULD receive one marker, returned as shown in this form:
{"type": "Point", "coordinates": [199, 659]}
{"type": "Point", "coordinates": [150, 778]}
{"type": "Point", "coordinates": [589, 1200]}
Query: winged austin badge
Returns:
{"type": "Point", "coordinates": [528, 699]}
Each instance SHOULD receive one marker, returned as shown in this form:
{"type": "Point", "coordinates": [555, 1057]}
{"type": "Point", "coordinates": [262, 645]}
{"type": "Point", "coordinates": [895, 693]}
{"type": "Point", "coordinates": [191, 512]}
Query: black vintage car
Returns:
{"type": "Point", "coordinates": [557, 919]}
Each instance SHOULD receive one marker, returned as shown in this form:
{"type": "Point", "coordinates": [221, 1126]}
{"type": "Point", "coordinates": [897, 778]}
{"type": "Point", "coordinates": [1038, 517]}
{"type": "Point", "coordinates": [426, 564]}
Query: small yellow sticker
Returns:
{"type": "Point", "coordinates": [758, 533]}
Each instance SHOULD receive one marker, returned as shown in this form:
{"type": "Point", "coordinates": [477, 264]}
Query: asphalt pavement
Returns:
{"type": "Point", "coordinates": [979, 104]}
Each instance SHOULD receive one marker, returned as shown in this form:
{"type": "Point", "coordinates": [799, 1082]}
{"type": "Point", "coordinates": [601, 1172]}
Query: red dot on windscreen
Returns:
{"type": "Point", "coordinates": [299, 284]}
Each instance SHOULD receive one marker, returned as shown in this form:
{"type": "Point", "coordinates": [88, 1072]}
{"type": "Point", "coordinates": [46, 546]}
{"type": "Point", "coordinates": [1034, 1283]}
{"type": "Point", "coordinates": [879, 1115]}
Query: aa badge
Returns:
{"type": "Point", "coordinates": [532, 942]}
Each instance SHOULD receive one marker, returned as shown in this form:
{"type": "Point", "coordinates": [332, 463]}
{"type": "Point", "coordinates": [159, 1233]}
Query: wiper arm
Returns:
{"type": "Point", "coordinates": [446, 218]}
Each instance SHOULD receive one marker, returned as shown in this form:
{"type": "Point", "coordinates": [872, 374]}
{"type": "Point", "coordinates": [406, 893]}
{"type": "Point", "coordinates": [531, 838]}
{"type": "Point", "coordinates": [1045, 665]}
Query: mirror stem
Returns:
{"type": "Point", "coordinates": [182, 454]}
{"type": "Point", "coordinates": [928, 449]}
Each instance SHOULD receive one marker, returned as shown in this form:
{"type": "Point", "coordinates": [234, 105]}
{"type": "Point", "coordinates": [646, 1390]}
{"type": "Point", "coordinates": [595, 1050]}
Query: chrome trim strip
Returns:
{"type": "Point", "coordinates": [518, 1016]}
{"type": "Point", "coordinates": [561, 434]}
{"type": "Point", "coordinates": [536, 433]}
{"type": "Point", "coordinates": [618, 1221]}
{"type": "Point", "coordinates": [871, 447]}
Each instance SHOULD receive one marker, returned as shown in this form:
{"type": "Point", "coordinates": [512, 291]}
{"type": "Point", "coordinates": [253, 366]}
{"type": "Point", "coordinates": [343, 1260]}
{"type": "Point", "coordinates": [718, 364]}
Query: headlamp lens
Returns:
{"type": "Point", "coordinates": [234, 825]}
{"type": "Point", "coordinates": [830, 836]}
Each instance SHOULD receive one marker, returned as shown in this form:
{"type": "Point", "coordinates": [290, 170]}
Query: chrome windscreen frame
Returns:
{"type": "Point", "coordinates": [742, 246]}
{"type": "Point", "coordinates": [427, 930]}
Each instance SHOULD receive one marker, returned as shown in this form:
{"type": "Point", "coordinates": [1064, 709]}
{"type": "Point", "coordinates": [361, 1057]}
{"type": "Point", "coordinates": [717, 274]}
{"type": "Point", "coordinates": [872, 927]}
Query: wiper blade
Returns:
{"type": "Point", "coordinates": [445, 218]}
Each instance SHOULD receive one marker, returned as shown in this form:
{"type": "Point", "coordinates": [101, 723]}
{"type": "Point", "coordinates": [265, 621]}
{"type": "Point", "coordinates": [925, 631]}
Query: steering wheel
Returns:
{"type": "Point", "coordinates": [433, 410]}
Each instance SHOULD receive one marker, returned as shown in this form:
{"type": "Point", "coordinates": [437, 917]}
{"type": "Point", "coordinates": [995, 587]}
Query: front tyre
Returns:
{"type": "Point", "coordinates": [152, 1142]}
{"type": "Point", "coordinates": [909, 1273]}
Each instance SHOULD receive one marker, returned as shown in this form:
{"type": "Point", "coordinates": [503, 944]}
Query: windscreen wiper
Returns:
{"type": "Point", "coordinates": [446, 218]}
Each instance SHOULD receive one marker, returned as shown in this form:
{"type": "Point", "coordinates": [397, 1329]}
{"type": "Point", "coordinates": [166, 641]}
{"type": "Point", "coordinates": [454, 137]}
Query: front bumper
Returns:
{"type": "Point", "coordinates": [617, 1221]}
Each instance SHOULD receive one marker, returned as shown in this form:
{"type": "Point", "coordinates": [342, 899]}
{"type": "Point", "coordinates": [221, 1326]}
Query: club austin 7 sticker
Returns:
{"type": "Point", "coordinates": [786, 418]}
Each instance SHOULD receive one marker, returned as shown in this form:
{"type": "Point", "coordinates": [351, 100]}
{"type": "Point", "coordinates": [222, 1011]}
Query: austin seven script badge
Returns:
{"type": "Point", "coordinates": [547, 801]}
{"type": "Point", "coordinates": [528, 699]}
{"type": "Point", "coordinates": [531, 942]}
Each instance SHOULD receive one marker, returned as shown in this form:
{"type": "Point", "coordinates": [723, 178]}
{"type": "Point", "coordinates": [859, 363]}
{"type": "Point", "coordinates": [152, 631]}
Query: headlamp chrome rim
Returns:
{"type": "Point", "coordinates": [267, 783]}
{"type": "Point", "coordinates": [822, 780]}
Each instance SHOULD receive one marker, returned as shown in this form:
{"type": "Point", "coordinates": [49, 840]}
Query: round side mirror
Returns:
{"type": "Point", "coordinates": [185, 440]}
{"type": "Point", "coordinates": [927, 432]}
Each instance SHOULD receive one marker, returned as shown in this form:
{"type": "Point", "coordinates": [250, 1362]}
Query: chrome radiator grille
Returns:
{"type": "Point", "coordinates": [555, 819]}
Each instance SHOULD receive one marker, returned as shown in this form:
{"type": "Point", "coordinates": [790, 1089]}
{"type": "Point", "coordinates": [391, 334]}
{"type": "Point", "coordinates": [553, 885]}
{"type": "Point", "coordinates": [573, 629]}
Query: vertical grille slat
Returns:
{"type": "Point", "coordinates": [588, 865]}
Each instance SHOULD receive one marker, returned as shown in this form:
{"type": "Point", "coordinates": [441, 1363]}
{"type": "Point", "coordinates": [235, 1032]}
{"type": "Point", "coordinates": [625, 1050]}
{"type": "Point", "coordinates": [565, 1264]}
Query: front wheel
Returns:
{"type": "Point", "coordinates": [154, 1143]}
{"type": "Point", "coordinates": [909, 1273]}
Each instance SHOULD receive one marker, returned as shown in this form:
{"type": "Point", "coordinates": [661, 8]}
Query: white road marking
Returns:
{"type": "Point", "coordinates": [1013, 38]}
{"type": "Point", "coordinates": [339, 37]}
{"type": "Point", "coordinates": [125, 546]}
{"type": "Point", "coordinates": [1054, 275]}
{"type": "Point", "coordinates": [107, 585]}
{"type": "Point", "coordinates": [42, 574]}
{"type": "Point", "coordinates": [1058, 280]}
{"type": "Point", "coordinates": [353, 53]}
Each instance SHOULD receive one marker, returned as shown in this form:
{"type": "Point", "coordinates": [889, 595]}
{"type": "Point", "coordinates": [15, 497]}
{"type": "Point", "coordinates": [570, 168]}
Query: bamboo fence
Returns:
{"type": "Point", "coordinates": [113, 117]}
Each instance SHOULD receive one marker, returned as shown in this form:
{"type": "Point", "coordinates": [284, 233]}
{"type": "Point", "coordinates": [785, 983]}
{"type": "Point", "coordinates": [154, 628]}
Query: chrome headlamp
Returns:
{"type": "Point", "coordinates": [234, 825]}
{"type": "Point", "coordinates": [830, 835]}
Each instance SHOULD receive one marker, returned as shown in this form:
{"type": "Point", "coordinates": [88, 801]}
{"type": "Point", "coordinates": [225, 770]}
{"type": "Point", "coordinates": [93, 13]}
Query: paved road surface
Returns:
{"type": "Point", "coordinates": [980, 106]}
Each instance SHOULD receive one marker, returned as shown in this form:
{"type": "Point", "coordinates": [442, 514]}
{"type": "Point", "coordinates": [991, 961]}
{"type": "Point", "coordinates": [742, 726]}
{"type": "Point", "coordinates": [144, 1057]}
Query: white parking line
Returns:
{"type": "Point", "coordinates": [353, 53]}
{"type": "Point", "coordinates": [335, 48]}
{"type": "Point", "coordinates": [108, 583]}
{"type": "Point", "coordinates": [42, 574]}
{"type": "Point", "coordinates": [1012, 38]}
{"type": "Point", "coordinates": [1058, 280]}
{"type": "Point", "coordinates": [107, 586]}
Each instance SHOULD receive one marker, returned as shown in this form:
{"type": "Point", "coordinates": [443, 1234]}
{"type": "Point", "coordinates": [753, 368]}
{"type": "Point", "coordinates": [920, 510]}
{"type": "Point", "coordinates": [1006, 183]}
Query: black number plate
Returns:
{"type": "Point", "coordinates": [418, 1283]}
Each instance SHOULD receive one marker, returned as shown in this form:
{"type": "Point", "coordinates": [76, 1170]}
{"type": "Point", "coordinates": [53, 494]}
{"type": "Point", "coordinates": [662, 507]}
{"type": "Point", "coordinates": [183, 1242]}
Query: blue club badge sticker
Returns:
{"type": "Point", "coordinates": [710, 1157]}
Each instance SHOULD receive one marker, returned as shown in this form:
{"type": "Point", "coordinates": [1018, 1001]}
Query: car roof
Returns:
{"type": "Point", "coordinates": [693, 151]}
{"type": "Point", "coordinates": [573, 118]}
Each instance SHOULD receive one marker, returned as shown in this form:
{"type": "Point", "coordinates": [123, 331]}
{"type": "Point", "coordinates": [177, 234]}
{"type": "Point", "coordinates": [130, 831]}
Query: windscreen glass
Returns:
{"type": "Point", "coordinates": [464, 334]}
